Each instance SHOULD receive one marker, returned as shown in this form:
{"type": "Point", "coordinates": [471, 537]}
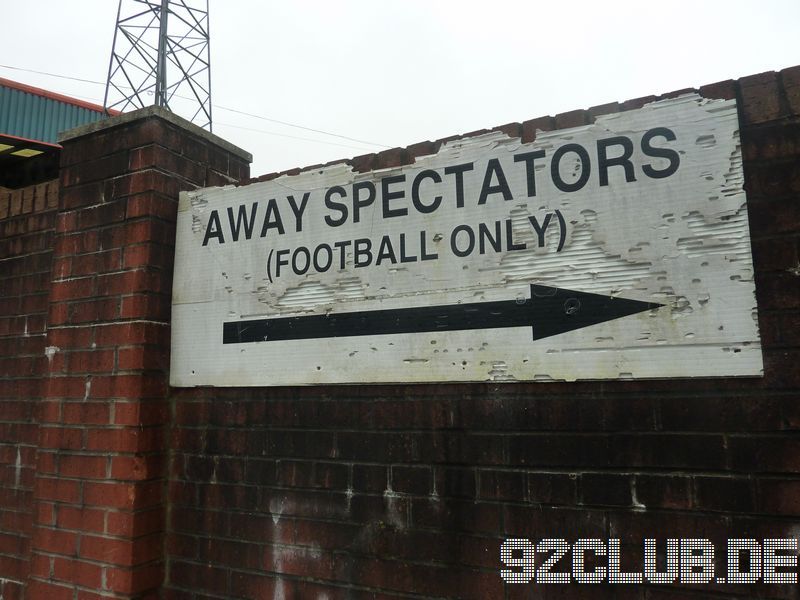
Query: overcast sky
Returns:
{"type": "Point", "coordinates": [396, 73]}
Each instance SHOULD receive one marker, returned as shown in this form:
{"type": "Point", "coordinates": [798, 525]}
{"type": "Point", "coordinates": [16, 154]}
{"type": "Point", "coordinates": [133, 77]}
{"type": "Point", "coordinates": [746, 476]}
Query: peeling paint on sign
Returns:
{"type": "Point", "coordinates": [615, 250]}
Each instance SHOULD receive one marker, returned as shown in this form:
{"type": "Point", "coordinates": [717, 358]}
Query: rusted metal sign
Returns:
{"type": "Point", "coordinates": [614, 250]}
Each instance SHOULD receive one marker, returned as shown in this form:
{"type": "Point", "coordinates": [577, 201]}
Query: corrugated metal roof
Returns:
{"type": "Point", "coordinates": [36, 114]}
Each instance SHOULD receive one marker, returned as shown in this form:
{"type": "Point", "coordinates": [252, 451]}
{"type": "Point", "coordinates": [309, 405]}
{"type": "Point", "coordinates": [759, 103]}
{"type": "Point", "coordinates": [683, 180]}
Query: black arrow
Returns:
{"type": "Point", "coordinates": [549, 311]}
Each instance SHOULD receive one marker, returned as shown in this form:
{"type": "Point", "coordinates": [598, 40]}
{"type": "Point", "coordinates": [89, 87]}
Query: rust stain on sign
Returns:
{"type": "Point", "coordinates": [623, 246]}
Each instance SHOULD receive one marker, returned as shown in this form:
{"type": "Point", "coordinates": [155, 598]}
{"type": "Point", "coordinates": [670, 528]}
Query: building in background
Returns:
{"type": "Point", "coordinates": [30, 120]}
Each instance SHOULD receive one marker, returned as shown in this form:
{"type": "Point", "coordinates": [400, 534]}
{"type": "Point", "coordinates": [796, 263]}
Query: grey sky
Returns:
{"type": "Point", "coordinates": [396, 73]}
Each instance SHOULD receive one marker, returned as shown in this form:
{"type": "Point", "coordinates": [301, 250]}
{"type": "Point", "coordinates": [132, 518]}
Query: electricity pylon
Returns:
{"type": "Point", "coordinates": [161, 56]}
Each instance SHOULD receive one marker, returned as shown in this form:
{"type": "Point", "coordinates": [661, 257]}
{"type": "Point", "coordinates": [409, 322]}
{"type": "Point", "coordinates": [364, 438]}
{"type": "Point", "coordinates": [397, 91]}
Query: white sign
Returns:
{"type": "Point", "coordinates": [615, 250]}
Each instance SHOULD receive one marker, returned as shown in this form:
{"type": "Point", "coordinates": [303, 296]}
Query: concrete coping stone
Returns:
{"type": "Point", "coordinates": [158, 112]}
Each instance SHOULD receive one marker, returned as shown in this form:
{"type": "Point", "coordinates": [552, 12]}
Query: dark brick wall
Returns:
{"type": "Point", "coordinates": [27, 223]}
{"type": "Point", "coordinates": [125, 489]}
{"type": "Point", "coordinates": [408, 491]}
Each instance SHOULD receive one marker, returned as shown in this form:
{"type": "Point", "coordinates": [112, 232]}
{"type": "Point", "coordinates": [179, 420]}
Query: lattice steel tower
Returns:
{"type": "Point", "coordinates": [161, 56]}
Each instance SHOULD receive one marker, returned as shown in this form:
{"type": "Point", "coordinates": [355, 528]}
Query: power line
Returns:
{"type": "Point", "coordinates": [286, 135]}
{"type": "Point", "coordinates": [52, 74]}
{"type": "Point", "coordinates": [225, 108]}
{"type": "Point", "coordinates": [344, 137]}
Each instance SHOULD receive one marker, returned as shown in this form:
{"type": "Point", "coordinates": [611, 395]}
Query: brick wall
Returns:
{"type": "Point", "coordinates": [127, 489]}
{"type": "Point", "coordinates": [27, 221]}
{"type": "Point", "coordinates": [408, 491]}
{"type": "Point", "coordinates": [98, 496]}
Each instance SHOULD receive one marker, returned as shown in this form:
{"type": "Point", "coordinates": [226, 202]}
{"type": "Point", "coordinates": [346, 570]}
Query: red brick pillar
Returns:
{"type": "Point", "coordinates": [99, 491]}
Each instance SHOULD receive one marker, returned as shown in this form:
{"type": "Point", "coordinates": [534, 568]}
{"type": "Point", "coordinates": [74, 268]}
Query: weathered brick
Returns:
{"type": "Point", "coordinates": [771, 142]}
{"type": "Point", "coordinates": [635, 103]}
{"type": "Point", "coordinates": [501, 485]}
{"type": "Point", "coordinates": [760, 98]}
{"type": "Point", "coordinates": [604, 109]}
{"type": "Point", "coordinates": [411, 480]}
{"type": "Point", "coordinates": [135, 580]}
{"type": "Point", "coordinates": [79, 518]}
{"type": "Point", "coordinates": [779, 497]}
{"type": "Point", "coordinates": [775, 254]}
{"type": "Point", "coordinates": [510, 129]}
{"type": "Point", "coordinates": [395, 157]}
{"type": "Point", "coordinates": [530, 127]}
{"type": "Point", "coordinates": [669, 491]}
{"type": "Point", "coordinates": [605, 489]}
{"type": "Point", "coordinates": [120, 552]}
{"type": "Point", "coordinates": [78, 572]}
{"type": "Point", "coordinates": [721, 89]}
{"type": "Point", "coordinates": [133, 524]}
{"type": "Point", "coordinates": [121, 495]}
{"type": "Point", "coordinates": [573, 118]}
{"type": "Point", "coordinates": [83, 466]}
{"type": "Point", "coordinates": [57, 542]}
{"type": "Point", "coordinates": [723, 494]}
{"type": "Point", "coordinates": [791, 85]}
